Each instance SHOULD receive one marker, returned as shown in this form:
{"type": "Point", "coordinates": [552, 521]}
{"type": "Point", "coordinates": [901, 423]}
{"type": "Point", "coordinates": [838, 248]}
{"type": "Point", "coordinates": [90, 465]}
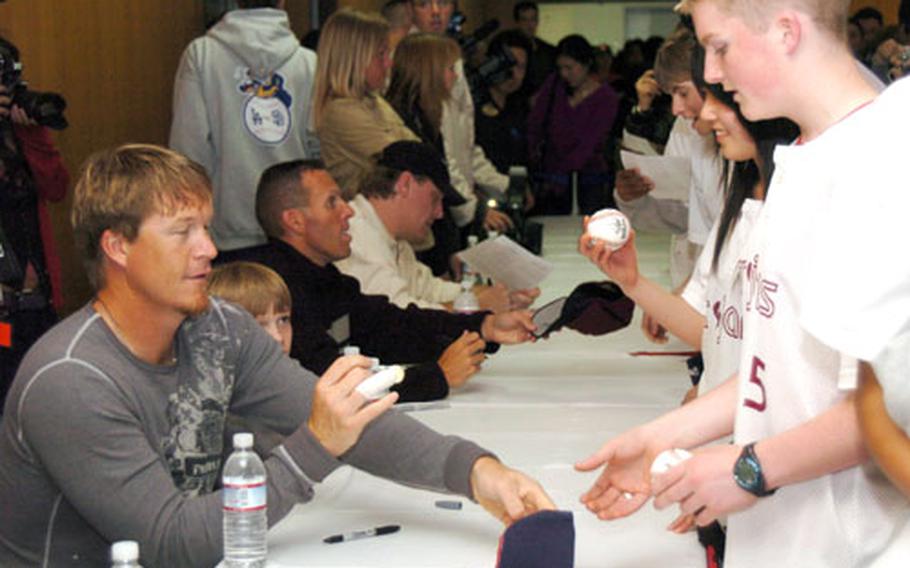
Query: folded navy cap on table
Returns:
{"type": "Point", "coordinates": [542, 540]}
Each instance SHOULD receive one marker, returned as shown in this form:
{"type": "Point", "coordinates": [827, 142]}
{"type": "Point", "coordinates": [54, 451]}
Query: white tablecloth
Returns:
{"type": "Point", "coordinates": [540, 407]}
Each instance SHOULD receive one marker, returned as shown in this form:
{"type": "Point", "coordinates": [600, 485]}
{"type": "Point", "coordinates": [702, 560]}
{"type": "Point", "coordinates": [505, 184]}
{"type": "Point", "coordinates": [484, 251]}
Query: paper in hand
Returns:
{"type": "Point", "coordinates": [670, 174]}
{"type": "Point", "coordinates": [507, 262]}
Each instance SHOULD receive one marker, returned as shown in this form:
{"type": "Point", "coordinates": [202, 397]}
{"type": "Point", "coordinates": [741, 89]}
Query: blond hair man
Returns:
{"type": "Point", "coordinates": [113, 428]}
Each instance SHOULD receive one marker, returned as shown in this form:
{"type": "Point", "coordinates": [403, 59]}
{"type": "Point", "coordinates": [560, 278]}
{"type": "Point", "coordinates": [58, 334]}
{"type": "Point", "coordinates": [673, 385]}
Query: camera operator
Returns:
{"type": "Point", "coordinates": [501, 120]}
{"type": "Point", "coordinates": [31, 174]}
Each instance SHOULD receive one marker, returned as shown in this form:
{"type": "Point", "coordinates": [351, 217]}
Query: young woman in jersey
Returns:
{"type": "Point", "coordinates": [707, 315]}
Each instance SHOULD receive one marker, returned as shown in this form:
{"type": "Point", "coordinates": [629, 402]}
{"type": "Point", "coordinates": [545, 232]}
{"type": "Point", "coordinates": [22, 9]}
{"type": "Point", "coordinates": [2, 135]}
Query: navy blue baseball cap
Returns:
{"type": "Point", "coordinates": [543, 540]}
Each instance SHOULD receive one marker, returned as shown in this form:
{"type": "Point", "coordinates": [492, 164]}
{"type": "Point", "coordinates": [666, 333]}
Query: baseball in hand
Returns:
{"type": "Point", "coordinates": [610, 226]}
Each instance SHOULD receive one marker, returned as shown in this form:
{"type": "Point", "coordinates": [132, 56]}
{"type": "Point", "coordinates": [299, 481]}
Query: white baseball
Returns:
{"type": "Point", "coordinates": [377, 385]}
{"type": "Point", "coordinates": [610, 226]}
{"type": "Point", "coordinates": [667, 459]}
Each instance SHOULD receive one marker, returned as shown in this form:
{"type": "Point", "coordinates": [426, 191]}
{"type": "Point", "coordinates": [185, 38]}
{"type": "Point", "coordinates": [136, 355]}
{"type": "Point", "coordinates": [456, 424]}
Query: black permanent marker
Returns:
{"type": "Point", "coordinates": [355, 535]}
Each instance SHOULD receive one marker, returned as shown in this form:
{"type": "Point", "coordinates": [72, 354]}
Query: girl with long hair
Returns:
{"type": "Point", "coordinates": [707, 316]}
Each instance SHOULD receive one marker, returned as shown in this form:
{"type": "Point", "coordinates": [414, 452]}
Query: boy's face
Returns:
{"type": "Point", "coordinates": [687, 103]}
{"type": "Point", "coordinates": [740, 58]}
{"type": "Point", "coordinates": [278, 325]}
{"type": "Point", "coordinates": [432, 15]}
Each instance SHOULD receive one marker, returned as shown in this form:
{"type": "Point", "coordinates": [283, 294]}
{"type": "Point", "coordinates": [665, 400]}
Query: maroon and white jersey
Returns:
{"type": "Point", "coordinates": [713, 293]}
{"type": "Point", "coordinates": [787, 376]}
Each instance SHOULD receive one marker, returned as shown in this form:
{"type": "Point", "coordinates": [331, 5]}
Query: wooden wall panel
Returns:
{"type": "Point", "coordinates": [888, 8]}
{"type": "Point", "coordinates": [114, 61]}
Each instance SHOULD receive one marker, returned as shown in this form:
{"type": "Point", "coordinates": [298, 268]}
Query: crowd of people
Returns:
{"type": "Point", "coordinates": [332, 190]}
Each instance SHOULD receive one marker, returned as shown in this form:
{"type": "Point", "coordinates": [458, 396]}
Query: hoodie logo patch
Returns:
{"type": "Point", "coordinates": [266, 111]}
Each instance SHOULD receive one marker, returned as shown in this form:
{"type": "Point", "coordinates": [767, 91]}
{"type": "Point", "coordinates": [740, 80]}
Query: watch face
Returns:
{"type": "Point", "coordinates": [746, 473]}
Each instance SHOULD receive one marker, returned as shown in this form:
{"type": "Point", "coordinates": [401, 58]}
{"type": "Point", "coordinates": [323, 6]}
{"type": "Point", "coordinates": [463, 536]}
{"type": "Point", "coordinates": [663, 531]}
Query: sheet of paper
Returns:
{"type": "Point", "coordinates": [671, 174]}
{"type": "Point", "coordinates": [505, 261]}
{"type": "Point", "coordinates": [637, 144]}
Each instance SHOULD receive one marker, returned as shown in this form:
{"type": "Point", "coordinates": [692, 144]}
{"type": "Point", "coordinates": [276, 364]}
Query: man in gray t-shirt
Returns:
{"type": "Point", "coordinates": [113, 427]}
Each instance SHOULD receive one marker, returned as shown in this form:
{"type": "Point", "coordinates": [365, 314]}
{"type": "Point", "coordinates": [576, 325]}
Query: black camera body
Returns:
{"type": "Point", "coordinates": [496, 68]}
{"type": "Point", "coordinates": [44, 108]}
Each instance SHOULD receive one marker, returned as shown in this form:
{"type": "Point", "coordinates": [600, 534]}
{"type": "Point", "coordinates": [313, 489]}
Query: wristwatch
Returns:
{"type": "Point", "coordinates": [748, 475]}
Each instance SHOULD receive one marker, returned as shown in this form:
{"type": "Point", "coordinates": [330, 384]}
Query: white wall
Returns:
{"type": "Point", "coordinates": [605, 23]}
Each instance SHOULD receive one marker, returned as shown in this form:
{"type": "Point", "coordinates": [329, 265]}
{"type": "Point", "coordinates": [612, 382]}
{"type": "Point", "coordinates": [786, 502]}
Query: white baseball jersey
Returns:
{"type": "Point", "coordinates": [864, 269]}
{"type": "Point", "coordinates": [713, 294]}
{"type": "Point", "coordinates": [788, 377]}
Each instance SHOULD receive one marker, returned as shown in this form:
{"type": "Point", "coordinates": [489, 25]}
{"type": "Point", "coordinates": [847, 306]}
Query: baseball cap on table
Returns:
{"type": "Point", "coordinates": [422, 160]}
{"type": "Point", "coordinates": [543, 540]}
{"type": "Point", "coordinates": [593, 308]}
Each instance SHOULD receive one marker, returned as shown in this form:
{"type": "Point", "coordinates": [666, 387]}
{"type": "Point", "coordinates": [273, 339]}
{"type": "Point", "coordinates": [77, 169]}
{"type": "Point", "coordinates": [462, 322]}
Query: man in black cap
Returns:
{"type": "Point", "coordinates": [398, 201]}
{"type": "Point", "coordinates": [301, 210]}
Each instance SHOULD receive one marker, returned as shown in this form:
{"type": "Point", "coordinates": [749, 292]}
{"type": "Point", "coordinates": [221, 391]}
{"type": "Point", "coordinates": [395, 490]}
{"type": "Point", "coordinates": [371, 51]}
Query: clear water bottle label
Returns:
{"type": "Point", "coordinates": [244, 496]}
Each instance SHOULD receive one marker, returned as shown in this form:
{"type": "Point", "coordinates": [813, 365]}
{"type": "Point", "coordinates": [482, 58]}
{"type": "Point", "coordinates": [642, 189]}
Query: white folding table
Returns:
{"type": "Point", "coordinates": [540, 407]}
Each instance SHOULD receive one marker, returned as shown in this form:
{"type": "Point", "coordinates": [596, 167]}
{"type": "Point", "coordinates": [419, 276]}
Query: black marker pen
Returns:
{"type": "Point", "coordinates": [376, 531]}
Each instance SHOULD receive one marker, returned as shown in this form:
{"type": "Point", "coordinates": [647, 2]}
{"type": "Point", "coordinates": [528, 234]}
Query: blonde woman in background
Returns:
{"type": "Point", "coordinates": [353, 121]}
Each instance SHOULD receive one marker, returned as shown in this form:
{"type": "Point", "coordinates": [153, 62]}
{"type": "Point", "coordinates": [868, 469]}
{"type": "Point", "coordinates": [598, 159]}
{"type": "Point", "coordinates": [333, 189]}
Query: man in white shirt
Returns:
{"type": "Point", "coordinates": [395, 207]}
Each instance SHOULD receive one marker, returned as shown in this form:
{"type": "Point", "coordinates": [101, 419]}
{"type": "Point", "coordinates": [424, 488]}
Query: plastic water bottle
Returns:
{"type": "Point", "coordinates": [125, 554]}
{"type": "Point", "coordinates": [245, 521]}
{"type": "Point", "coordinates": [466, 301]}
{"type": "Point", "coordinates": [467, 271]}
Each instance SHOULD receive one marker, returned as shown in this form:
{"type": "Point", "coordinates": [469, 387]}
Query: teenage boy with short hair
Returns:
{"type": "Point", "coordinates": [795, 430]}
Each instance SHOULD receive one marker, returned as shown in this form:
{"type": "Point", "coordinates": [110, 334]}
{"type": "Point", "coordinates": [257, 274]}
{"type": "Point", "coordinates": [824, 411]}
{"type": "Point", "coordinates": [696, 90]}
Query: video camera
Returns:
{"type": "Point", "coordinates": [44, 108]}
{"type": "Point", "coordinates": [528, 234]}
{"type": "Point", "coordinates": [496, 67]}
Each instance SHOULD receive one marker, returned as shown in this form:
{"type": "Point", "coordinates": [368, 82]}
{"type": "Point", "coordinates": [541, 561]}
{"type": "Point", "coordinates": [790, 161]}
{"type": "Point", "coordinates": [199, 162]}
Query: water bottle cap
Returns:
{"type": "Point", "coordinates": [351, 350]}
{"type": "Point", "coordinates": [243, 441]}
{"type": "Point", "coordinates": [125, 550]}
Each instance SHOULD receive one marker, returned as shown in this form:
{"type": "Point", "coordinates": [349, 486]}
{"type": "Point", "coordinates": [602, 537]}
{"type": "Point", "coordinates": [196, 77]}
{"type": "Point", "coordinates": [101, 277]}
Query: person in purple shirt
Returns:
{"type": "Point", "coordinates": [568, 128]}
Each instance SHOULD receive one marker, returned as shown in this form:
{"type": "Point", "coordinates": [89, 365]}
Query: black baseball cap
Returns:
{"type": "Point", "coordinates": [423, 160]}
{"type": "Point", "coordinates": [593, 308]}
